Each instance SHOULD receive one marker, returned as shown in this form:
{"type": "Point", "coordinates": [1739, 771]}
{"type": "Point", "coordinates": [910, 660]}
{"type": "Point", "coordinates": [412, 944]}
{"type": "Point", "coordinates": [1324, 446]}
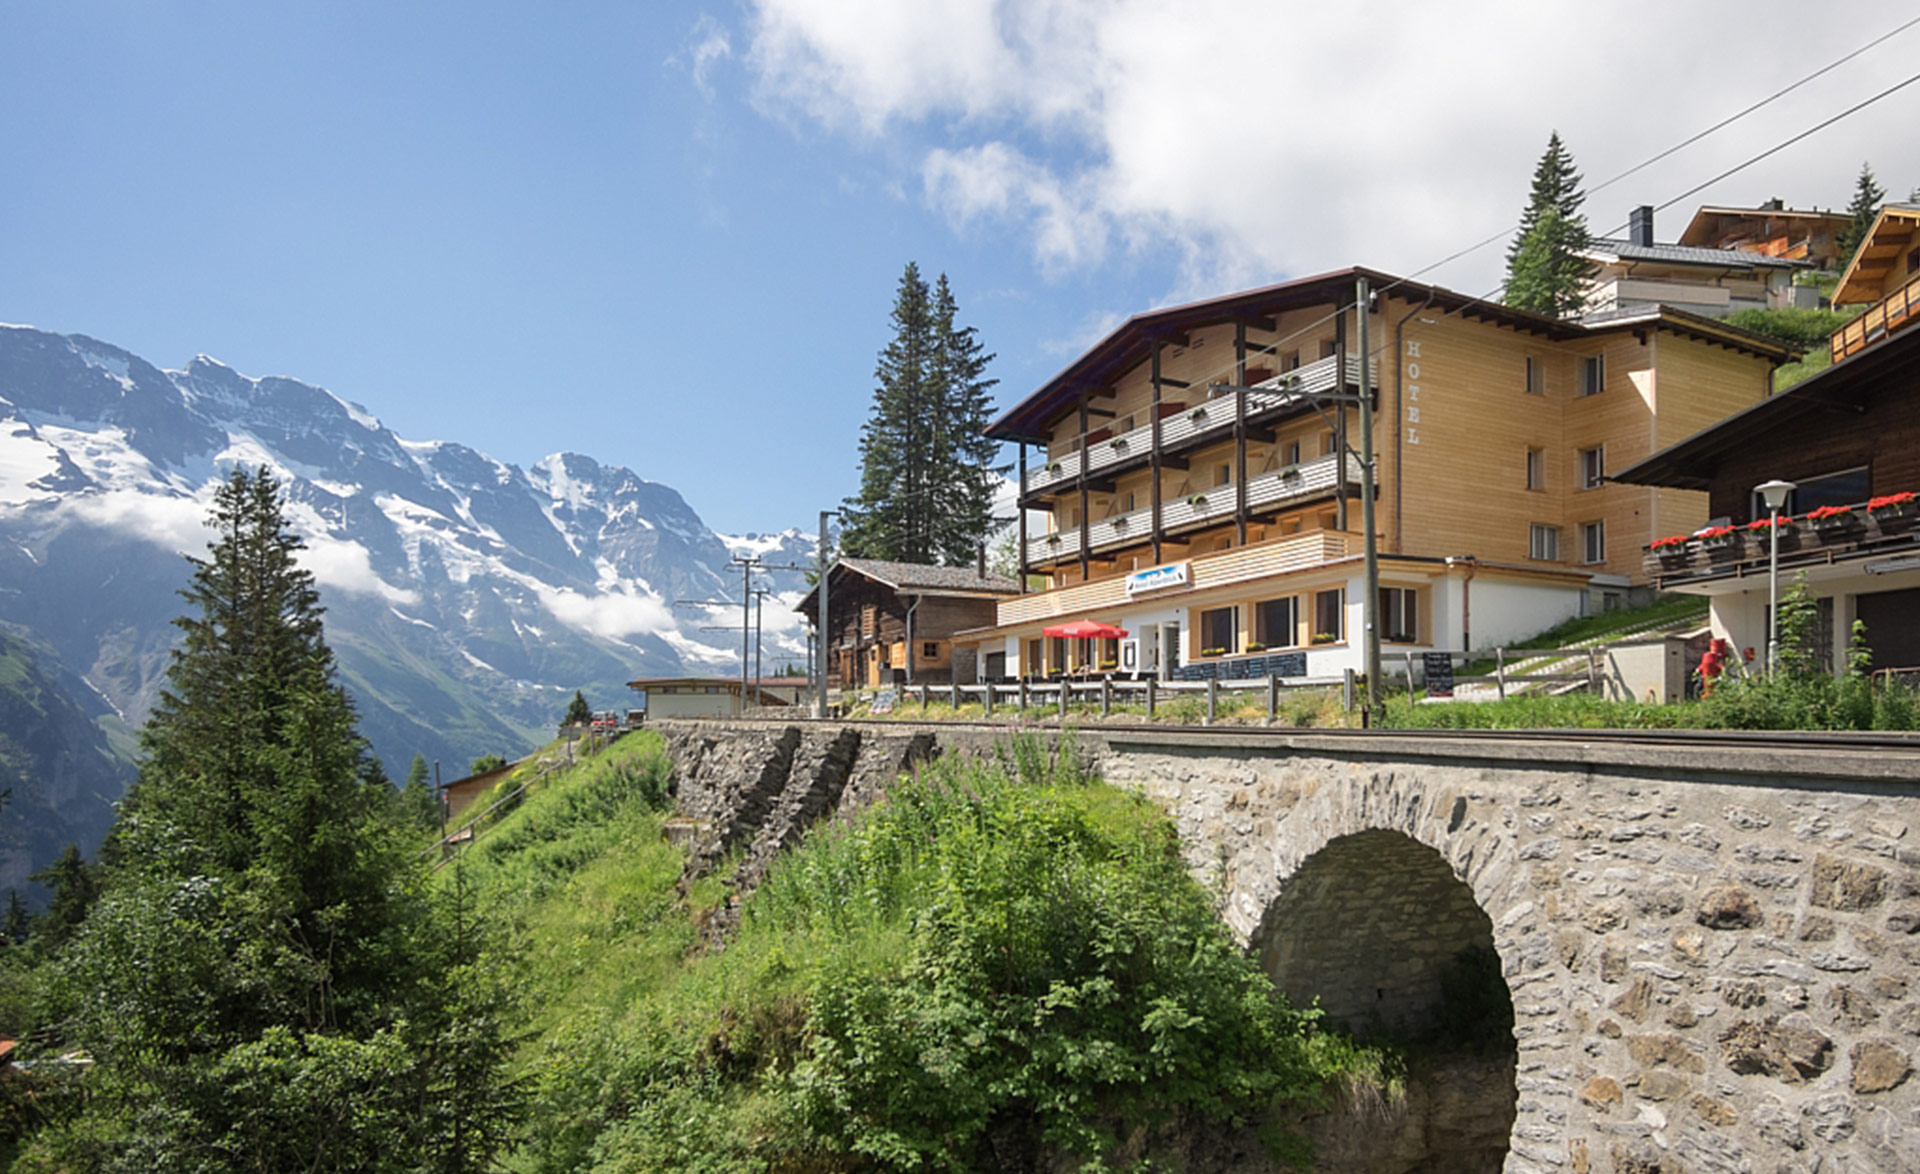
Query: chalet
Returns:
{"type": "Point", "coordinates": [712, 696]}
{"type": "Point", "coordinates": [1636, 272]}
{"type": "Point", "coordinates": [1202, 501]}
{"type": "Point", "coordinates": [1849, 440]}
{"type": "Point", "coordinates": [893, 623]}
{"type": "Point", "coordinates": [1771, 230]}
{"type": "Point", "coordinates": [1884, 276]}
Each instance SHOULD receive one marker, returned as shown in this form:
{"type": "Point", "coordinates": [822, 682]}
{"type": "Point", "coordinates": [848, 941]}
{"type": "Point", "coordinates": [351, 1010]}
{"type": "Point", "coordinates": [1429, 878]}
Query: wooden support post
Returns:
{"type": "Point", "coordinates": [956, 697]}
{"type": "Point", "coordinates": [1346, 693]}
{"type": "Point", "coordinates": [1106, 697]}
{"type": "Point", "coordinates": [1086, 521]}
{"type": "Point", "coordinates": [1153, 689]}
{"type": "Point", "coordinates": [1019, 508]}
{"type": "Point", "coordinates": [989, 699]}
{"type": "Point", "coordinates": [1023, 695]}
{"type": "Point", "coordinates": [1273, 698]}
{"type": "Point", "coordinates": [1240, 434]}
{"type": "Point", "coordinates": [923, 698]}
{"type": "Point", "coordinates": [1500, 670]}
{"type": "Point", "coordinates": [1153, 448]}
{"type": "Point", "coordinates": [1340, 422]}
{"type": "Point", "coordinates": [1411, 695]}
{"type": "Point", "coordinates": [1213, 697]}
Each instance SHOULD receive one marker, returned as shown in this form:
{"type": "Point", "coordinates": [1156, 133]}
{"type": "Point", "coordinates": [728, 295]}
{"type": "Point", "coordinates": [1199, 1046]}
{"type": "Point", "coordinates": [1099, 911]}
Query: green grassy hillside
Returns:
{"type": "Point", "coordinates": [1003, 958]}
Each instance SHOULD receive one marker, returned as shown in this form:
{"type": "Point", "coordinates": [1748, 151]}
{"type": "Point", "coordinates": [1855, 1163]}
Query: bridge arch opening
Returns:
{"type": "Point", "coordinates": [1377, 927]}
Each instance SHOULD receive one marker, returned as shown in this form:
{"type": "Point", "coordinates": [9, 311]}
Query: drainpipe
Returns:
{"type": "Point", "coordinates": [1400, 415]}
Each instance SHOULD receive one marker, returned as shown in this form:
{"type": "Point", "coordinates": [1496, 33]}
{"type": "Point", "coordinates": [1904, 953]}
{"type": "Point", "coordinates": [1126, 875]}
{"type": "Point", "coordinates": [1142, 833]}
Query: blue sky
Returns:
{"type": "Point", "coordinates": [667, 235]}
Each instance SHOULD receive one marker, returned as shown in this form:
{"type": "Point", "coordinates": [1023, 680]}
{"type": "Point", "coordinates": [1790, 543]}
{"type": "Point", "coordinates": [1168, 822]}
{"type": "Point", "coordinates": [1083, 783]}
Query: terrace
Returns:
{"type": "Point", "coordinates": [1881, 525]}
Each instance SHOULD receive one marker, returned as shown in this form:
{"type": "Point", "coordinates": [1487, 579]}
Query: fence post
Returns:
{"type": "Point", "coordinates": [989, 699]}
{"type": "Point", "coordinates": [1023, 695]}
{"type": "Point", "coordinates": [1153, 689]}
{"type": "Point", "coordinates": [1273, 698]}
{"type": "Point", "coordinates": [1593, 672]}
{"type": "Point", "coordinates": [956, 698]}
{"type": "Point", "coordinates": [1500, 670]}
{"type": "Point", "coordinates": [1346, 689]}
{"type": "Point", "coordinates": [923, 698]}
{"type": "Point", "coordinates": [1213, 697]}
{"type": "Point", "coordinates": [1106, 697]}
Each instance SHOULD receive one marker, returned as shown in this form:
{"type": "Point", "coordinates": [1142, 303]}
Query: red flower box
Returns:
{"type": "Point", "coordinates": [1670, 543]}
{"type": "Point", "coordinates": [1831, 513]}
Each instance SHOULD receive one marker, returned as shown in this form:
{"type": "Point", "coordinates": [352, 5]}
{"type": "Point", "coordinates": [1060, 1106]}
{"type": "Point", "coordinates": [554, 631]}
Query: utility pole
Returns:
{"type": "Point", "coordinates": [820, 683]}
{"type": "Point", "coordinates": [1372, 601]}
{"type": "Point", "coordinates": [746, 563]}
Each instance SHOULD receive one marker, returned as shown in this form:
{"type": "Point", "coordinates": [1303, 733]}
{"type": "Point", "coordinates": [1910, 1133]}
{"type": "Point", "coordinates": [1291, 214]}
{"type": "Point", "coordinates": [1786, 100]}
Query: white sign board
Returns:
{"type": "Point", "coordinates": [1157, 578]}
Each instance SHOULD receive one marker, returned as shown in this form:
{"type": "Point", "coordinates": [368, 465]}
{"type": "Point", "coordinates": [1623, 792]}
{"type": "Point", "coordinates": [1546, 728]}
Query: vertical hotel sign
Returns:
{"type": "Point", "coordinates": [1413, 391]}
{"type": "Point", "coordinates": [1157, 578]}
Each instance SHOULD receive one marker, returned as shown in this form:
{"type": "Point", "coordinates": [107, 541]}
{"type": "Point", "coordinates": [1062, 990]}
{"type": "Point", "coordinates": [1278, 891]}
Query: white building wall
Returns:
{"type": "Point", "coordinates": [1505, 611]}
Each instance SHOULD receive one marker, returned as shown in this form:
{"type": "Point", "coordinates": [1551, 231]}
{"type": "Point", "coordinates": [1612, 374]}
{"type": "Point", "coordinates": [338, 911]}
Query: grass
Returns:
{"type": "Point", "coordinates": [1004, 945]}
{"type": "Point", "coordinates": [1665, 611]}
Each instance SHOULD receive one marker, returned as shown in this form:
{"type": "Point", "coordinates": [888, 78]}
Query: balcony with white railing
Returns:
{"type": "Point", "coordinates": [1309, 479]}
{"type": "Point", "coordinates": [1200, 423]}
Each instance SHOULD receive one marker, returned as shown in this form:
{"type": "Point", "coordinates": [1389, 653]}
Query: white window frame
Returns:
{"type": "Point", "coordinates": [1593, 467]}
{"type": "Point", "coordinates": [1536, 468]}
{"type": "Point", "coordinates": [1593, 542]}
{"type": "Point", "coordinates": [1402, 604]}
{"type": "Point", "coordinates": [1593, 375]}
{"type": "Point", "coordinates": [1536, 377]}
{"type": "Point", "coordinates": [1543, 543]}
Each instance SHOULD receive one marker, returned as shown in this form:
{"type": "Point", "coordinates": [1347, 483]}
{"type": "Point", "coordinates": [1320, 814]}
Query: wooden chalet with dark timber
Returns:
{"type": "Point", "coordinates": [892, 623]}
{"type": "Point", "coordinates": [1772, 230]}
{"type": "Point", "coordinates": [1849, 439]}
{"type": "Point", "coordinates": [1884, 276]}
{"type": "Point", "coordinates": [1202, 498]}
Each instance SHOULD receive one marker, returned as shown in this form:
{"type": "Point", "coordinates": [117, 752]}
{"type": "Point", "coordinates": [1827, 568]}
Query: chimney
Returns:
{"type": "Point", "coordinates": [1774, 205]}
{"type": "Point", "coordinates": [1640, 226]}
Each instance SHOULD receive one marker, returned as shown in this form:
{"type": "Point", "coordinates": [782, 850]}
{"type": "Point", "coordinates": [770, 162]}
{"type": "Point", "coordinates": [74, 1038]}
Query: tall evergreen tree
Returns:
{"type": "Point", "coordinates": [926, 488]}
{"type": "Point", "coordinates": [418, 804]}
{"type": "Point", "coordinates": [578, 711]}
{"type": "Point", "coordinates": [1545, 271]}
{"type": "Point", "coordinates": [263, 981]}
{"type": "Point", "coordinates": [1868, 195]}
{"type": "Point", "coordinates": [17, 922]}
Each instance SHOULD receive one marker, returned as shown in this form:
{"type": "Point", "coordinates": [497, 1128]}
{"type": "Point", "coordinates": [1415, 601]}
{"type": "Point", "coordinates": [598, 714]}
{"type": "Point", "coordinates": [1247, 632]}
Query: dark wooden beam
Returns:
{"type": "Point", "coordinates": [1270, 325]}
{"type": "Point", "coordinates": [1102, 413]}
{"type": "Point", "coordinates": [1164, 381]}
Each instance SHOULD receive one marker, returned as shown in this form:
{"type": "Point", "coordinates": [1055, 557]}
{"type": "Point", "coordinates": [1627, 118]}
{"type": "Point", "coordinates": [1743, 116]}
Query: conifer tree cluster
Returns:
{"type": "Point", "coordinates": [1868, 195]}
{"type": "Point", "coordinates": [927, 472]}
{"type": "Point", "coordinates": [265, 982]}
{"type": "Point", "coordinates": [1545, 271]}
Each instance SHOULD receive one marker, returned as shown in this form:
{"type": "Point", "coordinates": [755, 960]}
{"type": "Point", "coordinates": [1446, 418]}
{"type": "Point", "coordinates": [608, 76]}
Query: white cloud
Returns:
{"type": "Point", "coordinates": [175, 524]}
{"type": "Point", "coordinates": [346, 566]}
{"type": "Point", "coordinates": [613, 615]}
{"type": "Point", "coordinates": [710, 45]}
{"type": "Point", "coordinates": [1258, 140]}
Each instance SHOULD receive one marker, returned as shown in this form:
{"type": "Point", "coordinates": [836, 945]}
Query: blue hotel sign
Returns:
{"type": "Point", "coordinates": [1157, 578]}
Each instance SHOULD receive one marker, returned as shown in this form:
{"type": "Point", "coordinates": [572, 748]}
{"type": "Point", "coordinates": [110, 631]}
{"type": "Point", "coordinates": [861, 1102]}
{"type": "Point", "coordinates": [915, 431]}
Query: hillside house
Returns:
{"type": "Point", "coordinates": [1771, 230]}
{"type": "Point", "coordinates": [711, 696]}
{"type": "Point", "coordinates": [1212, 523]}
{"type": "Point", "coordinates": [892, 623]}
{"type": "Point", "coordinates": [1849, 438]}
{"type": "Point", "coordinates": [1884, 276]}
{"type": "Point", "coordinates": [1635, 272]}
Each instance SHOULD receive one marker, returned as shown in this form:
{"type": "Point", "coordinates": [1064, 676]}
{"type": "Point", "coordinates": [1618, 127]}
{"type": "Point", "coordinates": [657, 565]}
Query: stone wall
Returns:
{"type": "Point", "coordinates": [1713, 957]}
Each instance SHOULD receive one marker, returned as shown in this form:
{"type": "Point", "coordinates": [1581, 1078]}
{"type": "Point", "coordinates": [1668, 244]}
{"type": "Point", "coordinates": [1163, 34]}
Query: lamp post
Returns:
{"type": "Point", "coordinates": [1774, 494]}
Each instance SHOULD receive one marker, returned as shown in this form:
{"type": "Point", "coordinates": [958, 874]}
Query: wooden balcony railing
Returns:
{"type": "Point", "coordinates": [1198, 423]}
{"type": "Point", "coordinates": [1897, 310]}
{"type": "Point", "coordinates": [1857, 530]}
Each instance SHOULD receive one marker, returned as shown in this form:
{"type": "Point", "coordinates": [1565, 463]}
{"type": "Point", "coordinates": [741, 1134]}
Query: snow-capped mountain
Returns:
{"type": "Point", "coordinates": [466, 598]}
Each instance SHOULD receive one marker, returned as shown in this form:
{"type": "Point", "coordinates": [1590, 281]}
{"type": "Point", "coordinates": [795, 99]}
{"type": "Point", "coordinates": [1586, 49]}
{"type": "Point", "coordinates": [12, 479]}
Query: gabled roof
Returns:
{"type": "Point", "coordinates": [1701, 226]}
{"type": "Point", "coordinates": [1894, 231]}
{"type": "Point", "coordinates": [1131, 342]}
{"type": "Point", "coordinates": [916, 579]}
{"type": "Point", "coordinates": [1692, 463]}
{"type": "Point", "coordinates": [1624, 250]}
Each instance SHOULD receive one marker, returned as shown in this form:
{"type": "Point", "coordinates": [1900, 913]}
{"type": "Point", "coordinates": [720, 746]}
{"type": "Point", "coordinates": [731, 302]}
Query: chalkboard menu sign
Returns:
{"type": "Point", "coordinates": [1439, 666]}
{"type": "Point", "coordinates": [1287, 664]}
{"type": "Point", "coordinates": [883, 701]}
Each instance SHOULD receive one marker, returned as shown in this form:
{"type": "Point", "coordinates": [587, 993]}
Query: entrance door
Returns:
{"type": "Point", "coordinates": [1893, 627]}
{"type": "Point", "coordinates": [1149, 653]}
{"type": "Point", "coordinates": [1169, 649]}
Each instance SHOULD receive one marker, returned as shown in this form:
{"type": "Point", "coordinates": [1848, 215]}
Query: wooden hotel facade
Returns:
{"type": "Point", "coordinates": [1215, 523]}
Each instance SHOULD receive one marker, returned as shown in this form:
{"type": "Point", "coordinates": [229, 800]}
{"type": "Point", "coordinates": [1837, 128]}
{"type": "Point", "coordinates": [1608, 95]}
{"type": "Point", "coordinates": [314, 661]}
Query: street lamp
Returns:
{"type": "Point", "coordinates": [1774, 494]}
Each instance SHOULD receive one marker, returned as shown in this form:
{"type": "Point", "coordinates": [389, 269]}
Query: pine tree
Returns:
{"type": "Point", "coordinates": [419, 806]}
{"type": "Point", "coordinates": [926, 488]}
{"type": "Point", "coordinates": [263, 951]}
{"type": "Point", "coordinates": [578, 713]}
{"type": "Point", "coordinates": [1545, 271]}
{"type": "Point", "coordinates": [1867, 198]}
{"type": "Point", "coordinates": [18, 923]}
{"type": "Point", "coordinates": [75, 888]}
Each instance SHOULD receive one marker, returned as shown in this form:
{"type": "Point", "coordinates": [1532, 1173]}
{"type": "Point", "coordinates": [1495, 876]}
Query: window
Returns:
{"type": "Point", "coordinates": [1057, 654]}
{"type": "Point", "coordinates": [1536, 377]}
{"type": "Point", "coordinates": [1326, 348]}
{"type": "Point", "coordinates": [1326, 444]}
{"type": "Point", "coordinates": [1223, 475]}
{"type": "Point", "coordinates": [1275, 623]}
{"type": "Point", "coordinates": [1292, 453]}
{"type": "Point", "coordinates": [1593, 542]}
{"type": "Point", "coordinates": [1035, 665]}
{"type": "Point", "coordinates": [1218, 631]}
{"type": "Point", "coordinates": [929, 651]}
{"type": "Point", "coordinates": [1593, 375]}
{"type": "Point", "coordinates": [1290, 361]}
{"type": "Point", "coordinates": [1536, 468]}
{"type": "Point", "coordinates": [1329, 616]}
{"type": "Point", "coordinates": [1399, 617]}
{"type": "Point", "coordinates": [1593, 467]}
{"type": "Point", "coordinates": [1544, 543]}
{"type": "Point", "coordinates": [1847, 487]}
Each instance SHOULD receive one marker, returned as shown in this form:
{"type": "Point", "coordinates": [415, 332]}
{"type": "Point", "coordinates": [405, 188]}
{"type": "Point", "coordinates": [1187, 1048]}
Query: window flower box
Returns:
{"type": "Point", "coordinates": [1053, 468]}
{"type": "Point", "coordinates": [1761, 531]}
{"type": "Point", "coordinates": [1894, 511]}
{"type": "Point", "coordinates": [1213, 652]}
{"type": "Point", "coordinates": [1720, 541]}
{"type": "Point", "coordinates": [1198, 415]}
{"type": "Point", "coordinates": [1118, 444]}
{"type": "Point", "coordinates": [1290, 473]}
{"type": "Point", "coordinates": [1326, 637]}
{"type": "Point", "coordinates": [1198, 501]}
{"type": "Point", "coordinates": [1256, 646]}
{"type": "Point", "coordinates": [1833, 519]}
{"type": "Point", "coordinates": [1109, 665]}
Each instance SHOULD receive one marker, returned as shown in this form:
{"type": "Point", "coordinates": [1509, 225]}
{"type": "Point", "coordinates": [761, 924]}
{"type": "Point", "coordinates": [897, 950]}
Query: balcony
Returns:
{"type": "Point", "coordinates": [1309, 479]}
{"type": "Point", "coordinates": [1198, 424]}
{"type": "Point", "coordinates": [1823, 537]}
{"type": "Point", "coordinates": [1276, 556]}
{"type": "Point", "coordinates": [1897, 310]}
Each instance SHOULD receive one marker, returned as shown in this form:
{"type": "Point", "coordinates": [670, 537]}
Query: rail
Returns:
{"type": "Point", "coordinates": [1148, 692]}
{"type": "Point", "coordinates": [1894, 312]}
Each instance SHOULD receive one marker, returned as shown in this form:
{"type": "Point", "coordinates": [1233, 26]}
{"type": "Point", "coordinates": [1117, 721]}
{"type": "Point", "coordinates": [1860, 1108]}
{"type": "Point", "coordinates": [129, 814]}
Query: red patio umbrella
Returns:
{"type": "Point", "coordinates": [1085, 630]}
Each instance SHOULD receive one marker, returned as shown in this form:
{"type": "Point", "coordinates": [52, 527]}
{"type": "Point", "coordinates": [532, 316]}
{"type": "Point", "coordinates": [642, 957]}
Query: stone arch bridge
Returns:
{"type": "Point", "coordinates": [1712, 956]}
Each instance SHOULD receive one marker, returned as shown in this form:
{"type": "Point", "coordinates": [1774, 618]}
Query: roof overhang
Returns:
{"type": "Point", "coordinates": [1894, 231]}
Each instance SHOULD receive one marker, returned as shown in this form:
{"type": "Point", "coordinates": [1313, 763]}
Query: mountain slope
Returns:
{"type": "Point", "coordinates": [467, 598]}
